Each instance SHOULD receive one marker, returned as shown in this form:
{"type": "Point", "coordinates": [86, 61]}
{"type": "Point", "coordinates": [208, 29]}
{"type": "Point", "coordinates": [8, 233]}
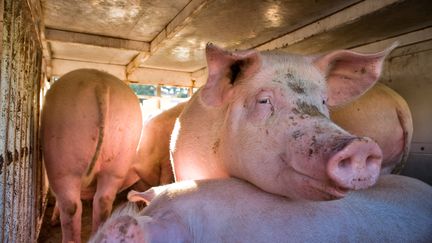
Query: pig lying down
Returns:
{"type": "Point", "coordinates": [264, 117]}
{"type": "Point", "coordinates": [397, 209]}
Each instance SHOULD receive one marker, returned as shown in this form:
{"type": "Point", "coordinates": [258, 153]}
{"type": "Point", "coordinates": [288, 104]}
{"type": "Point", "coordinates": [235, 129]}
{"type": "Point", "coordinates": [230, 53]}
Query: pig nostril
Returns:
{"type": "Point", "coordinates": [372, 160]}
{"type": "Point", "coordinates": [369, 160]}
{"type": "Point", "coordinates": [344, 163]}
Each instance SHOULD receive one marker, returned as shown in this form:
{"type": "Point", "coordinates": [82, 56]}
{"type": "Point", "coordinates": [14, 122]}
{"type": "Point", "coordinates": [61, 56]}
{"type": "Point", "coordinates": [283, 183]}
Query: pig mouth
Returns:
{"type": "Point", "coordinates": [326, 190]}
{"type": "Point", "coordinates": [320, 188]}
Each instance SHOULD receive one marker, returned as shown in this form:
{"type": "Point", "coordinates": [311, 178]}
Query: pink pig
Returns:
{"type": "Point", "coordinates": [383, 115]}
{"type": "Point", "coordinates": [152, 162]}
{"type": "Point", "coordinates": [397, 209]}
{"type": "Point", "coordinates": [91, 127]}
{"type": "Point", "coordinates": [263, 117]}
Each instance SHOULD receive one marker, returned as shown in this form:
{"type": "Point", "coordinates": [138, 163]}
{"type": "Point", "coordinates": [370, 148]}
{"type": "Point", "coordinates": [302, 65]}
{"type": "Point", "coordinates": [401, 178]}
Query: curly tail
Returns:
{"type": "Point", "coordinates": [102, 98]}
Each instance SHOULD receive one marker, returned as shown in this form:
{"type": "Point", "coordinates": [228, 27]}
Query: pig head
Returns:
{"type": "Point", "coordinates": [264, 117]}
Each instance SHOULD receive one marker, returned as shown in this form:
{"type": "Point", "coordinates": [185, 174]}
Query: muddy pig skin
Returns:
{"type": "Point", "coordinates": [397, 209]}
{"type": "Point", "coordinates": [264, 117]}
{"type": "Point", "coordinates": [383, 115]}
{"type": "Point", "coordinates": [91, 126]}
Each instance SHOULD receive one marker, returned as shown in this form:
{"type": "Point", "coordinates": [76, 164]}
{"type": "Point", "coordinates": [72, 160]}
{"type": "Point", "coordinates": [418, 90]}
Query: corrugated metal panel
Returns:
{"type": "Point", "coordinates": [22, 183]}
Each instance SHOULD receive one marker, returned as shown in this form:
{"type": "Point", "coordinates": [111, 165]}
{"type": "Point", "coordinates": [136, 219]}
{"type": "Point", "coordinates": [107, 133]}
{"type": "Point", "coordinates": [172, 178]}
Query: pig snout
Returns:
{"type": "Point", "coordinates": [357, 165]}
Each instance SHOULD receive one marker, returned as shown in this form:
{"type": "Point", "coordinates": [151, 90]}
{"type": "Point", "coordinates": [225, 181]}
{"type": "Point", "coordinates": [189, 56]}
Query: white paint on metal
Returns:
{"type": "Point", "coordinates": [87, 53]}
{"type": "Point", "coordinates": [403, 40]}
{"type": "Point", "coordinates": [340, 18]}
{"type": "Point", "coordinates": [160, 76]}
{"type": "Point", "coordinates": [61, 66]}
{"type": "Point", "coordinates": [177, 23]}
{"type": "Point", "coordinates": [140, 75]}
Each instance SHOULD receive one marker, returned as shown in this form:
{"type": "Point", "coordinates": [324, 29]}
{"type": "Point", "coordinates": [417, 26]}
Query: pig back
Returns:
{"type": "Point", "coordinates": [397, 209]}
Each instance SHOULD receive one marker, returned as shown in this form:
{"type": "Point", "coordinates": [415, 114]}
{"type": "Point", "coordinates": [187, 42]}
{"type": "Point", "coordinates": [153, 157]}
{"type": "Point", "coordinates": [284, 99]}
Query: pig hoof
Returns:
{"type": "Point", "coordinates": [55, 222]}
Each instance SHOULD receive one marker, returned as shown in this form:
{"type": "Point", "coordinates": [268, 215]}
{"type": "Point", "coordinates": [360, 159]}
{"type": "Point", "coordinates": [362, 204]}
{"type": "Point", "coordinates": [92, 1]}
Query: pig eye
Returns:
{"type": "Point", "coordinates": [264, 101]}
{"type": "Point", "coordinates": [265, 105]}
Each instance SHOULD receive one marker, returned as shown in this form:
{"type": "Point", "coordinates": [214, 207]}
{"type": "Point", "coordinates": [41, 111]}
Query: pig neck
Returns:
{"type": "Point", "coordinates": [198, 140]}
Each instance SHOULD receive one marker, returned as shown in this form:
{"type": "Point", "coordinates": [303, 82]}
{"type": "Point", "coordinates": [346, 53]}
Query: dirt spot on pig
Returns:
{"type": "Point", "coordinates": [216, 145]}
{"type": "Point", "coordinates": [296, 87]}
{"type": "Point", "coordinates": [308, 109]}
{"type": "Point", "coordinates": [297, 134]}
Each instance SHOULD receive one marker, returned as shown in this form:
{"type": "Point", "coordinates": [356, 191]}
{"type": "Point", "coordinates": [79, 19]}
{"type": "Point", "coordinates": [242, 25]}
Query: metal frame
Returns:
{"type": "Point", "coordinates": [22, 181]}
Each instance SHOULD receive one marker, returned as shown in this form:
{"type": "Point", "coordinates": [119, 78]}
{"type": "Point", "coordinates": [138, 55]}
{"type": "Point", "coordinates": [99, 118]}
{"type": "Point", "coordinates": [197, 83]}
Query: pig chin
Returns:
{"type": "Point", "coordinates": [312, 189]}
{"type": "Point", "coordinates": [302, 186]}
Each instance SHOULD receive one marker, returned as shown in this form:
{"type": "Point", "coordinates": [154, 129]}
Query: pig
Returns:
{"type": "Point", "coordinates": [152, 162]}
{"type": "Point", "coordinates": [90, 128]}
{"type": "Point", "coordinates": [397, 209]}
{"type": "Point", "coordinates": [264, 117]}
{"type": "Point", "coordinates": [383, 115]}
{"type": "Point", "coordinates": [95, 144]}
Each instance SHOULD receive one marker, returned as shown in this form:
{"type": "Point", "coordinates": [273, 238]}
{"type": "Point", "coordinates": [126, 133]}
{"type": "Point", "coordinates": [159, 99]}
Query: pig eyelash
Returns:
{"type": "Point", "coordinates": [264, 101]}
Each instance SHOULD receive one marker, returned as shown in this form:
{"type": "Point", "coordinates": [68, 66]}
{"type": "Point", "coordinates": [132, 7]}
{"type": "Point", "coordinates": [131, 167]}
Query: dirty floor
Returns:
{"type": "Point", "coordinates": [52, 234]}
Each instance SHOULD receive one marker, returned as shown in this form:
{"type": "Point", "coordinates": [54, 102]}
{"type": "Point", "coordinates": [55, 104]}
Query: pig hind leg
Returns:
{"type": "Point", "coordinates": [107, 187]}
{"type": "Point", "coordinates": [55, 215]}
{"type": "Point", "coordinates": [70, 208]}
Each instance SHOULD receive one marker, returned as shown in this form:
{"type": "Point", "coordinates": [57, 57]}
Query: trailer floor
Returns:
{"type": "Point", "coordinates": [52, 234]}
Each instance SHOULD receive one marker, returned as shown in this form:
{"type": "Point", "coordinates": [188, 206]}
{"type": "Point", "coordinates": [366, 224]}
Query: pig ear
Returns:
{"type": "Point", "coordinates": [147, 196]}
{"type": "Point", "coordinates": [224, 70]}
{"type": "Point", "coordinates": [350, 74]}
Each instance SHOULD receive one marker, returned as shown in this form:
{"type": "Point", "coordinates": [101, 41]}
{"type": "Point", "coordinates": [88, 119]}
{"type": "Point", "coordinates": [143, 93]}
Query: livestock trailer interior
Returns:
{"type": "Point", "coordinates": [158, 48]}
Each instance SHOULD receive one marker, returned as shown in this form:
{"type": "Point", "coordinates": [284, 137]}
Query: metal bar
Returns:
{"type": "Point", "coordinates": [330, 22]}
{"type": "Point", "coordinates": [4, 116]}
{"type": "Point", "coordinates": [21, 204]}
{"type": "Point", "coordinates": [95, 40]}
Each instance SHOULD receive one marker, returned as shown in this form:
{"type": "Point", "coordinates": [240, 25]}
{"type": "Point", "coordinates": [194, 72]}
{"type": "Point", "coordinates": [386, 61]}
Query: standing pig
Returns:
{"type": "Point", "coordinates": [383, 115]}
{"type": "Point", "coordinates": [263, 117]}
{"type": "Point", "coordinates": [397, 209]}
{"type": "Point", "coordinates": [91, 125]}
{"type": "Point", "coordinates": [152, 162]}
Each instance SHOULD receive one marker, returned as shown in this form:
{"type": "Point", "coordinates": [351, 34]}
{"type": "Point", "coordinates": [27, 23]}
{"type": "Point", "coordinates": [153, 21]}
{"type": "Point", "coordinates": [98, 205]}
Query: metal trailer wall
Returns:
{"type": "Point", "coordinates": [22, 182]}
{"type": "Point", "coordinates": [408, 72]}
